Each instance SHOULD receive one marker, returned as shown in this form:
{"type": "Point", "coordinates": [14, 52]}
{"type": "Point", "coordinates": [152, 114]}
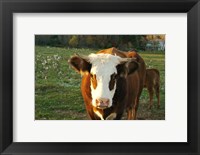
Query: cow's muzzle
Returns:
{"type": "Point", "coordinates": [102, 103]}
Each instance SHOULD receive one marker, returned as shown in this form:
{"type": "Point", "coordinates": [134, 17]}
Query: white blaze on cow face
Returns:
{"type": "Point", "coordinates": [103, 66]}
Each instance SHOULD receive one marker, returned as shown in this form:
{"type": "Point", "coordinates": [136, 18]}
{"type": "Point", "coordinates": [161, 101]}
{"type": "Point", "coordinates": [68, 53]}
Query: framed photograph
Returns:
{"type": "Point", "coordinates": [53, 73]}
{"type": "Point", "coordinates": [99, 77]}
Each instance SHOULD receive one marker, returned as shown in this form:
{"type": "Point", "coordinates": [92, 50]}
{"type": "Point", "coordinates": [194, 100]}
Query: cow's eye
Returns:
{"type": "Point", "coordinates": [112, 81]}
{"type": "Point", "coordinates": [113, 76]}
{"type": "Point", "coordinates": [92, 76]}
{"type": "Point", "coordinates": [93, 80]}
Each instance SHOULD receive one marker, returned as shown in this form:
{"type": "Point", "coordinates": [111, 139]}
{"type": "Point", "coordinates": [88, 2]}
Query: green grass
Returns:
{"type": "Point", "coordinates": [57, 86]}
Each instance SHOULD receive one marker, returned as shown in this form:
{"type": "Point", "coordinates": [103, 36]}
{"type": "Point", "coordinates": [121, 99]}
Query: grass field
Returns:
{"type": "Point", "coordinates": [57, 85]}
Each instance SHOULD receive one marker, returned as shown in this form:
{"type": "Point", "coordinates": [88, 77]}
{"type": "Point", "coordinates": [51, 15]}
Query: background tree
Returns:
{"type": "Point", "coordinates": [123, 42]}
{"type": "Point", "coordinates": [73, 42]}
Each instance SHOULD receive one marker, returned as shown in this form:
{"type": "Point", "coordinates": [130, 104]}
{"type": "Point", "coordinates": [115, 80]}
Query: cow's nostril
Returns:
{"type": "Point", "coordinates": [102, 102]}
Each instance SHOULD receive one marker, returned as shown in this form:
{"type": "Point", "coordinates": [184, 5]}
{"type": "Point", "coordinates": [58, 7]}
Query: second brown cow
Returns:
{"type": "Point", "coordinates": [152, 83]}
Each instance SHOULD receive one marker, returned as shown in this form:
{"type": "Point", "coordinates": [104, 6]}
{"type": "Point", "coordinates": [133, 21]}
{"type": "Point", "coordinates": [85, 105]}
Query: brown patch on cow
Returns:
{"type": "Point", "coordinates": [113, 51]}
{"type": "Point", "coordinates": [93, 80]}
{"type": "Point", "coordinates": [87, 97]}
{"type": "Point", "coordinates": [131, 54]}
{"type": "Point", "coordinates": [112, 81]}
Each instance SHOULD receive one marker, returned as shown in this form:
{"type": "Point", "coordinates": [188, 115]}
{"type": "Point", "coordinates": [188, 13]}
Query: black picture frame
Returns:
{"type": "Point", "coordinates": [8, 7]}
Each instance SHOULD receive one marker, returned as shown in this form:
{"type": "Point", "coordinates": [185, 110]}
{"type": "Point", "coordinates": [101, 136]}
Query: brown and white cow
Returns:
{"type": "Point", "coordinates": [112, 80]}
{"type": "Point", "coordinates": [152, 83]}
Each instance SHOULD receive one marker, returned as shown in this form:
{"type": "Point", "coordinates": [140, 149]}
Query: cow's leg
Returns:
{"type": "Point", "coordinates": [157, 90]}
{"type": "Point", "coordinates": [131, 110]}
{"type": "Point", "coordinates": [135, 108]}
{"type": "Point", "coordinates": [130, 107]}
{"type": "Point", "coordinates": [119, 116]}
{"type": "Point", "coordinates": [150, 90]}
{"type": "Point", "coordinates": [130, 113]}
{"type": "Point", "coordinates": [134, 113]}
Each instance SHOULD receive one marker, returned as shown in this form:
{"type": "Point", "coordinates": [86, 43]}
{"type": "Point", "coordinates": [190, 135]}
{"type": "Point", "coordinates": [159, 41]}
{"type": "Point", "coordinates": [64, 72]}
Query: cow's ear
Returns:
{"type": "Point", "coordinates": [127, 68]}
{"type": "Point", "coordinates": [80, 64]}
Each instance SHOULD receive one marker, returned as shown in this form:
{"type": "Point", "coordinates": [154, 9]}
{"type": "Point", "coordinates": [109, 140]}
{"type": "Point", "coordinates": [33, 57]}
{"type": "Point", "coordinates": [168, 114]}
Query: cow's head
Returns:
{"type": "Point", "coordinates": [104, 71]}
